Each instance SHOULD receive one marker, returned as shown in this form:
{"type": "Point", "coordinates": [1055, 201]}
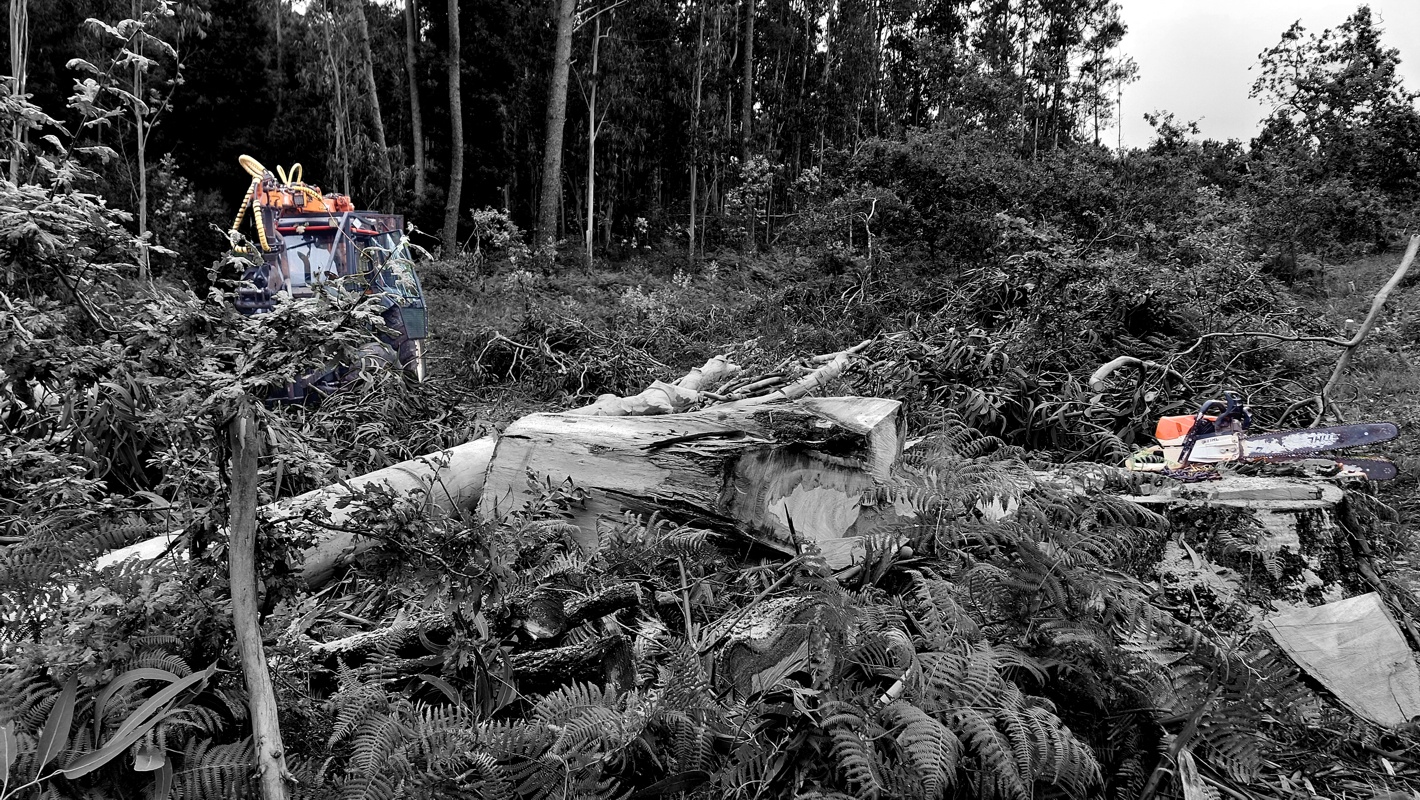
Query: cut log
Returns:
{"type": "Point", "coordinates": [447, 481]}
{"type": "Point", "coordinates": [765, 470]}
{"type": "Point", "coordinates": [602, 658]}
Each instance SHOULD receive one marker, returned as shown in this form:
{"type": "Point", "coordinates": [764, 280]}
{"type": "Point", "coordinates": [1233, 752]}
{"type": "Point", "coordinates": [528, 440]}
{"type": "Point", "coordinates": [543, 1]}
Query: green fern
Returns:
{"type": "Point", "coordinates": [211, 771]}
{"type": "Point", "coordinates": [933, 751]}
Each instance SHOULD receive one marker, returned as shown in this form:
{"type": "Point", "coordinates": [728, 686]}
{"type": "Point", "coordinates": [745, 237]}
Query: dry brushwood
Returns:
{"type": "Point", "coordinates": [791, 381]}
{"type": "Point", "coordinates": [719, 380]}
{"type": "Point", "coordinates": [665, 398]}
{"type": "Point", "coordinates": [1322, 401]}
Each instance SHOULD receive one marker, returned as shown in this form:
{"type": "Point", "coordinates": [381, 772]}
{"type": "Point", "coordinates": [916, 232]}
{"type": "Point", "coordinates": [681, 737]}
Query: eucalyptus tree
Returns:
{"type": "Point", "coordinates": [550, 198]}
{"type": "Point", "coordinates": [450, 235]}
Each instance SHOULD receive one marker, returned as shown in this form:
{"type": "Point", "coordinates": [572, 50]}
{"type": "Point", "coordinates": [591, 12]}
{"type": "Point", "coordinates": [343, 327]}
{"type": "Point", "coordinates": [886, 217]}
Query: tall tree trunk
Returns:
{"type": "Point", "coordinates": [821, 113]}
{"type": "Point", "coordinates": [416, 118]}
{"type": "Point", "coordinates": [1025, 66]}
{"type": "Point", "coordinates": [695, 124]}
{"type": "Point", "coordinates": [592, 128]}
{"type": "Point", "coordinates": [362, 29]}
{"type": "Point", "coordinates": [339, 106]}
{"type": "Point", "coordinates": [280, 7]}
{"type": "Point", "coordinates": [19, 68]}
{"type": "Point", "coordinates": [142, 147]}
{"type": "Point", "coordinates": [747, 98]}
{"type": "Point", "coordinates": [549, 204]}
{"type": "Point", "coordinates": [455, 198]}
{"type": "Point", "coordinates": [245, 441]}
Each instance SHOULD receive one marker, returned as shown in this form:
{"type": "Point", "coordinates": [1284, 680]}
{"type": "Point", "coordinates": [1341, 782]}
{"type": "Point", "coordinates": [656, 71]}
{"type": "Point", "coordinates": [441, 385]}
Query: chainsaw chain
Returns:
{"type": "Point", "coordinates": [1194, 473]}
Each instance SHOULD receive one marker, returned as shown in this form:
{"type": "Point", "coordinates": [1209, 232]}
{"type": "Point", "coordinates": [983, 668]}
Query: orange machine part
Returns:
{"type": "Point", "coordinates": [311, 203]}
{"type": "Point", "coordinates": [1171, 429]}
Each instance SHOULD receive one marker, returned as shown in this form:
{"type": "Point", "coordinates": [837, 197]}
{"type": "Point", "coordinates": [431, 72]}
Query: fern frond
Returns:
{"type": "Point", "coordinates": [992, 750]}
{"type": "Point", "coordinates": [211, 771]}
{"type": "Point", "coordinates": [933, 751]}
{"type": "Point", "coordinates": [856, 761]}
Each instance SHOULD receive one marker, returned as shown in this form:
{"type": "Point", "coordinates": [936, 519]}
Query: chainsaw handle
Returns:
{"type": "Point", "coordinates": [1234, 411]}
{"type": "Point", "coordinates": [1208, 404]}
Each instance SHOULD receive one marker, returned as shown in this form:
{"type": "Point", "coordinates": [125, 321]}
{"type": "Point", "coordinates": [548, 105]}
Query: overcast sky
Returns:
{"type": "Point", "coordinates": [1197, 58]}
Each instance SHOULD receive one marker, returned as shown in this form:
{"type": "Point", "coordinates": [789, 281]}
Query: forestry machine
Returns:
{"type": "Point", "coordinates": [307, 239]}
{"type": "Point", "coordinates": [1192, 445]}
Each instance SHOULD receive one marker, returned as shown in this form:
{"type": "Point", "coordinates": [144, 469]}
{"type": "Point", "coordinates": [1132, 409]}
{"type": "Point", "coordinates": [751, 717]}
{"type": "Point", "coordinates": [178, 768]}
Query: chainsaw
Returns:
{"type": "Point", "coordinates": [1191, 445]}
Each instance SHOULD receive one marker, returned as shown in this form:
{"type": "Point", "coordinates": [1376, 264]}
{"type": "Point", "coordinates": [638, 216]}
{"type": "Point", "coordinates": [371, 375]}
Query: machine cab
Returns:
{"type": "Point", "coordinates": [309, 240]}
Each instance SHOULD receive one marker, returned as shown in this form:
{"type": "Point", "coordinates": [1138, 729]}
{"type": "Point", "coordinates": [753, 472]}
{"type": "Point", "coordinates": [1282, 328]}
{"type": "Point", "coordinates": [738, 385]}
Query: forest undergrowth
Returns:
{"type": "Point", "coordinates": [975, 652]}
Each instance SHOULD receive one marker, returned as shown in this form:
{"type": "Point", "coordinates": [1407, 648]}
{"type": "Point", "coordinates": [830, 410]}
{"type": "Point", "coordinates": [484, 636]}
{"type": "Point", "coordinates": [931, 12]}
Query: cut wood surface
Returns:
{"type": "Point", "coordinates": [448, 480]}
{"type": "Point", "coordinates": [766, 470]}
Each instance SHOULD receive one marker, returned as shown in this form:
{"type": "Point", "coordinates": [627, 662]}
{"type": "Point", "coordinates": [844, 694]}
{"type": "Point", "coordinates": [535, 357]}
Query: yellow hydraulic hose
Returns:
{"type": "Point", "coordinates": [242, 209]}
{"type": "Point", "coordinates": [301, 187]}
{"type": "Point", "coordinates": [251, 165]}
{"type": "Point", "coordinates": [261, 232]}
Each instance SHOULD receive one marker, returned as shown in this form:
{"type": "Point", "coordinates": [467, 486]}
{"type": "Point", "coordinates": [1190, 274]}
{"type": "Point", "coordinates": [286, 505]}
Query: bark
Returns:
{"type": "Point", "coordinates": [19, 68]}
{"type": "Point", "coordinates": [602, 658]}
{"type": "Point", "coordinates": [141, 143]}
{"type": "Point", "coordinates": [747, 98]}
{"type": "Point", "coordinates": [451, 204]}
{"type": "Point", "coordinates": [592, 128]}
{"type": "Point", "coordinates": [1097, 378]}
{"type": "Point", "coordinates": [695, 124]}
{"type": "Point", "coordinates": [603, 603]}
{"type": "Point", "coordinates": [664, 398]}
{"type": "Point", "coordinates": [1377, 305]}
{"type": "Point", "coordinates": [543, 615]}
{"type": "Point", "coordinates": [340, 108]}
{"type": "Point", "coordinates": [448, 482]}
{"type": "Point", "coordinates": [832, 367]}
{"type": "Point", "coordinates": [772, 472]}
{"type": "Point", "coordinates": [377, 121]}
{"type": "Point", "coordinates": [550, 201]}
{"type": "Point", "coordinates": [244, 439]}
{"type": "Point", "coordinates": [416, 117]}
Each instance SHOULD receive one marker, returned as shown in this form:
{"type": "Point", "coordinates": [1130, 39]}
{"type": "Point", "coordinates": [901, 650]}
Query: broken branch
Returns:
{"type": "Point", "coordinates": [1377, 304]}
{"type": "Point", "coordinates": [1105, 370]}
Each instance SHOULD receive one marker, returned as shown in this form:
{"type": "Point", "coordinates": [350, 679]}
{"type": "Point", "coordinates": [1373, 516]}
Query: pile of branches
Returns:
{"type": "Point", "coordinates": [969, 654]}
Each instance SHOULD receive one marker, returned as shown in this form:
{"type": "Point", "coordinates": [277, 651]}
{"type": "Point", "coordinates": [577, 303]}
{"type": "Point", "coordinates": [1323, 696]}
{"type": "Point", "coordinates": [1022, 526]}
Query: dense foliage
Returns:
{"type": "Point", "coordinates": [925, 176]}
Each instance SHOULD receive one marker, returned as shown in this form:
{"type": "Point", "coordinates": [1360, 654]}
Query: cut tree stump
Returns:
{"type": "Point", "coordinates": [1282, 537]}
{"type": "Point", "coordinates": [769, 471]}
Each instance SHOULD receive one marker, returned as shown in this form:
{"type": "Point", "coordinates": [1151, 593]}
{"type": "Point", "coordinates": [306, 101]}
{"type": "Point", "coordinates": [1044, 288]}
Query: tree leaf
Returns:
{"type": "Point", "coordinates": [56, 727]}
{"type": "Point", "coordinates": [118, 683]}
{"type": "Point", "coordinates": [443, 686]}
{"type": "Point", "coordinates": [148, 759]}
{"type": "Point", "coordinates": [162, 698]}
{"type": "Point", "coordinates": [162, 782]}
{"type": "Point", "coordinates": [8, 748]}
{"type": "Point", "coordinates": [116, 747]}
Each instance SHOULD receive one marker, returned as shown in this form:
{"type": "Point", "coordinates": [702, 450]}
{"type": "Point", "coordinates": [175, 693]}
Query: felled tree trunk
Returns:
{"type": "Point", "coordinates": [447, 481]}
{"type": "Point", "coordinates": [778, 472]}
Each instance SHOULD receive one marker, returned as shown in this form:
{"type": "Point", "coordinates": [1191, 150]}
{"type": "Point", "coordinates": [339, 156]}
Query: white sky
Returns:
{"type": "Point", "coordinates": [1197, 58]}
